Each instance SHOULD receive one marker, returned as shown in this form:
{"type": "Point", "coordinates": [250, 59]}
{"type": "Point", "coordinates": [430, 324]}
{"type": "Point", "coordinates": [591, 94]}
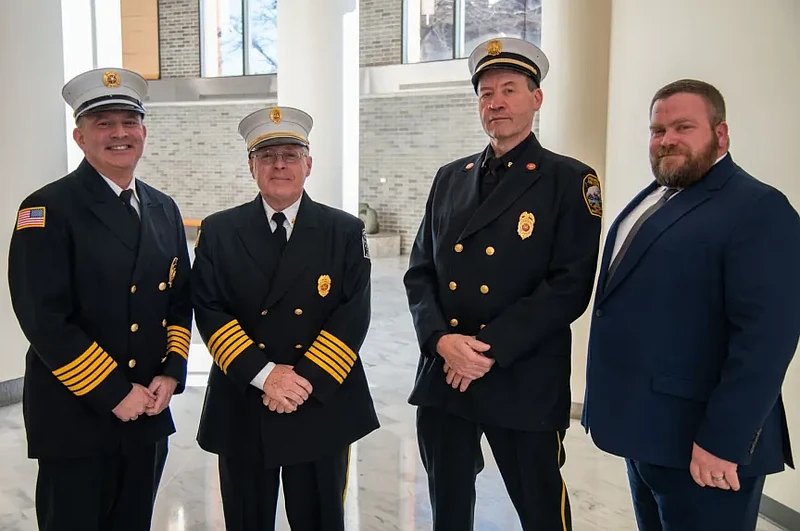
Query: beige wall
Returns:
{"type": "Point", "coordinates": [749, 50]}
{"type": "Point", "coordinates": [140, 37]}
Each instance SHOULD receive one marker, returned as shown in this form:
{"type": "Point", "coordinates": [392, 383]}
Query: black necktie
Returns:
{"type": "Point", "coordinates": [491, 176]}
{"type": "Point", "coordinates": [280, 231]}
{"type": "Point", "coordinates": [636, 226]}
{"type": "Point", "coordinates": [126, 196]}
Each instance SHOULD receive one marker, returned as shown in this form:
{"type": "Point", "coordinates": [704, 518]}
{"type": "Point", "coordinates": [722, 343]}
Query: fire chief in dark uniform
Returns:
{"type": "Point", "coordinates": [99, 281]}
{"type": "Point", "coordinates": [281, 287]}
{"type": "Point", "coordinates": [503, 263]}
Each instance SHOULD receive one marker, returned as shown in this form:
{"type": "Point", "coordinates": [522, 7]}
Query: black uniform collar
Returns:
{"type": "Point", "coordinates": [513, 154]}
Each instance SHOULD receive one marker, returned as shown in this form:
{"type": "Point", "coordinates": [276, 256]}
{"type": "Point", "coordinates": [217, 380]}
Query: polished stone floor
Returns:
{"type": "Point", "coordinates": [387, 489]}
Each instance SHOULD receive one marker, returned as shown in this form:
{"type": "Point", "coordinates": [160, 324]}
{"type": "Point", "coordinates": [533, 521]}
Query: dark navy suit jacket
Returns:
{"type": "Point", "coordinates": [692, 336]}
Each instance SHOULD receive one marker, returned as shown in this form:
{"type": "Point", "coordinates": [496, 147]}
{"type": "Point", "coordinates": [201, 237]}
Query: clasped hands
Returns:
{"type": "Point", "coordinates": [151, 400]}
{"type": "Point", "coordinates": [464, 361]}
{"type": "Point", "coordinates": [285, 390]}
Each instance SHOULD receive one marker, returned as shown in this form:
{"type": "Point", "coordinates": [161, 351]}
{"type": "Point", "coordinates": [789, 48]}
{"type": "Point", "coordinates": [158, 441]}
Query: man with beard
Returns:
{"type": "Point", "coordinates": [696, 318]}
{"type": "Point", "coordinates": [503, 263]}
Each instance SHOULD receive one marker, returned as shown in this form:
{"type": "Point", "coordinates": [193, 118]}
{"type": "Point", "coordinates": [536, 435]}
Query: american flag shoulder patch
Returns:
{"type": "Point", "coordinates": [31, 217]}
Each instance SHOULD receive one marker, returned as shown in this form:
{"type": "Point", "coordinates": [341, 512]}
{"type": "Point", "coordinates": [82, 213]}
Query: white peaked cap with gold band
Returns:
{"type": "Point", "coordinates": [105, 89]}
{"type": "Point", "coordinates": [274, 126]}
{"type": "Point", "coordinates": [509, 53]}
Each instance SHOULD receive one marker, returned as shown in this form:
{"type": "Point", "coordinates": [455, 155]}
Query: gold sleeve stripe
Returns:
{"type": "Point", "coordinates": [327, 335]}
{"type": "Point", "coordinates": [332, 362]}
{"type": "Point", "coordinates": [319, 348]}
{"type": "Point", "coordinates": [179, 340]}
{"type": "Point", "coordinates": [324, 366]}
{"type": "Point", "coordinates": [213, 340]}
{"type": "Point", "coordinates": [85, 367]}
{"type": "Point", "coordinates": [77, 361]}
{"type": "Point", "coordinates": [329, 345]}
{"type": "Point", "coordinates": [222, 355]}
{"type": "Point", "coordinates": [236, 352]}
{"type": "Point", "coordinates": [179, 330]}
{"type": "Point", "coordinates": [226, 340]}
{"type": "Point", "coordinates": [83, 374]}
{"type": "Point", "coordinates": [179, 351]}
{"type": "Point", "coordinates": [99, 377]}
{"type": "Point", "coordinates": [177, 345]}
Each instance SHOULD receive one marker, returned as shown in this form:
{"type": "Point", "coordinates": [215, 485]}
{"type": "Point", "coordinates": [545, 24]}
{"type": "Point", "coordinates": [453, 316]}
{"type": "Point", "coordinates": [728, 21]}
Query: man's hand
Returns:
{"type": "Point", "coordinates": [285, 390]}
{"type": "Point", "coordinates": [463, 359]}
{"type": "Point", "coordinates": [709, 470]}
{"type": "Point", "coordinates": [163, 387]}
{"type": "Point", "coordinates": [138, 400]}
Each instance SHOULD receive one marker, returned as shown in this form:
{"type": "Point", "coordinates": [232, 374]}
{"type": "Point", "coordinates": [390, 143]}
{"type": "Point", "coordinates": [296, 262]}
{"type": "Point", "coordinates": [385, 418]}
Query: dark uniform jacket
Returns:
{"type": "Point", "coordinates": [104, 305]}
{"type": "Point", "coordinates": [515, 270]}
{"type": "Point", "coordinates": [309, 308]}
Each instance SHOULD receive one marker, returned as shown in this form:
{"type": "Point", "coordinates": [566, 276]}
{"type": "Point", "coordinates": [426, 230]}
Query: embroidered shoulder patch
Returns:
{"type": "Point", "coordinates": [592, 195]}
{"type": "Point", "coordinates": [33, 217]}
{"type": "Point", "coordinates": [364, 243]}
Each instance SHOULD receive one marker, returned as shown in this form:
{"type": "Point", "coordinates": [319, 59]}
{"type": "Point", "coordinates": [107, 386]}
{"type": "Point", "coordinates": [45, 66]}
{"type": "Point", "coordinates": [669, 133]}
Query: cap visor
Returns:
{"type": "Point", "coordinates": [111, 105]}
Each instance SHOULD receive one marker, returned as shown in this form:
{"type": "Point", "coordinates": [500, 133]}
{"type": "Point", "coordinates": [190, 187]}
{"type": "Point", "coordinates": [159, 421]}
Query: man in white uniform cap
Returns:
{"type": "Point", "coordinates": [281, 290]}
{"type": "Point", "coordinates": [503, 263]}
{"type": "Point", "coordinates": [99, 281]}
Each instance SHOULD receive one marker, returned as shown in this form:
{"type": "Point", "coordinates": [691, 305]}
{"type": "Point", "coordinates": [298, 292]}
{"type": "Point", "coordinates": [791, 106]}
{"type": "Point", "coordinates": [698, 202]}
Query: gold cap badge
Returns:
{"type": "Point", "coordinates": [494, 48]}
{"type": "Point", "coordinates": [173, 270]}
{"type": "Point", "coordinates": [275, 115]}
{"type": "Point", "coordinates": [525, 225]}
{"type": "Point", "coordinates": [324, 285]}
{"type": "Point", "coordinates": [111, 79]}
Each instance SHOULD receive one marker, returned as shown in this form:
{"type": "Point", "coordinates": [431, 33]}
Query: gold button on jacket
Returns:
{"type": "Point", "coordinates": [134, 327]}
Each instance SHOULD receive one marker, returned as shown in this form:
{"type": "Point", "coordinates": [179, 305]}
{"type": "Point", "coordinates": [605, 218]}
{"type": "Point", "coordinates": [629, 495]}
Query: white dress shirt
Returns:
{"type": "Point", "coordinates": [131, 186]}
{"type": "Point", "coordinates": [627, 224]}
{"type": "Point", "coordinates": [291, 214]}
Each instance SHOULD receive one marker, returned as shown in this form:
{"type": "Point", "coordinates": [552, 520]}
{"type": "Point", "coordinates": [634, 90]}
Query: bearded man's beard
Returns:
{"type": "Point", "coordinates": [693, 169]}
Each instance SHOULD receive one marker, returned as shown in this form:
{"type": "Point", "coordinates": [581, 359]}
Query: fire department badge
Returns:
{"type": "Point", "coordinates": [111, 79]}
{"type": "Point", "coordinates": [324, 285]}
{"type": "Point", "coordinates": [525, 225]}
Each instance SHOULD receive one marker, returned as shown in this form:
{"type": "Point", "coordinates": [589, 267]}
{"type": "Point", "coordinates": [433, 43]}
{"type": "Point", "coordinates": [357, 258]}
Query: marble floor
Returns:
{"type": "Point", "coordinates": [387, 488]}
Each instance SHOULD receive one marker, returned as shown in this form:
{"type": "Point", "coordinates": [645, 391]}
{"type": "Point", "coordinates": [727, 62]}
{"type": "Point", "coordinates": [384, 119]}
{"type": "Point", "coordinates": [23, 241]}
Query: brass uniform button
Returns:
{"type": "Point", "coordinates": [133, 289]}
{"type": "Point", "coordinates": [484, 289]}
{"type": "Point", "coordinates": [264, 312]}
{"type": "Point", "coordinates": [454, 322]}
{"type": "Point", "coordinates": [298, 311]}
{"type": "Point", "coordinates": [482, 326]}
{"type": "Point", "coordinates": [134, 327]}
{"type": "Point", "coordinates": [164, 323]}
{"type": "Point", "coordinates": [490, 250]}
{"type": "Point", "coordinates": [162, 286]}
{"type": "Point", "coordinates": [453, 286]}
{"type": "Point", "coordinates": [298, 346]}
{"type": "Point", "coordinates": [164, 359]}
{"type": "Point", "coordinates": [458, 248]}
{"type": "Point", "coordinates": [262, 346]}
{"type": "Point", "coordinates": [132, 363]}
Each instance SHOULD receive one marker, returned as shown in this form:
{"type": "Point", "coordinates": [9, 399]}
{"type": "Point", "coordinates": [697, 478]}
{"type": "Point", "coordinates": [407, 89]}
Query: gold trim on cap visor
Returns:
{"type": "Point", "coordinates": [507, 61]}
{"type": "Point", "coordinates": [279, 134]}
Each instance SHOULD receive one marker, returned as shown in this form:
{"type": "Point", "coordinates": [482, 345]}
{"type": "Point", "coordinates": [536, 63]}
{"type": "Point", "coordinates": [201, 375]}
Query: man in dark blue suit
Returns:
{"type": "Point", "coordinates": [696, 318]}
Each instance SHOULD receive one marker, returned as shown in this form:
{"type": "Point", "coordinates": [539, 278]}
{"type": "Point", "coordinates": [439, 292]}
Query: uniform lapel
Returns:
{"type": "Point", "coordinates": [517, 179]}
{"type": "Point", "coordinates": [153, 216]}
{"type": "Point", "coordinates": [299, 250]}
{"type": "Point", "coordinates": [108, 207]}
{"type": "Point", "coordinates": [255, 233]}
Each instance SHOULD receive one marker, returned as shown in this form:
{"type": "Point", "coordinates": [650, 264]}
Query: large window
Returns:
{"type": "Point", "coordinates": [450, 29]}
{"type": "Point", "coordinates": [238, 37]}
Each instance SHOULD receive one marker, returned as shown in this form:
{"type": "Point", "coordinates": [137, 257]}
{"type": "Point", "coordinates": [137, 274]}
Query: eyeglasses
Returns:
{"type": "Point", "coordinates": [270, 157]}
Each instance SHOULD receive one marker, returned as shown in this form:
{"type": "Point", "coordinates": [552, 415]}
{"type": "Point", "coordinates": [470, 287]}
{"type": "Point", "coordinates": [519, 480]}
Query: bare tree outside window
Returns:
{"type": "Point", "coordinates": [225, 52]}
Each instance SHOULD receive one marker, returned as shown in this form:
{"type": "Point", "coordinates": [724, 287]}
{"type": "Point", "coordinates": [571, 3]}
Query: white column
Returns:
{"type": "Point", "coordinates": [748, 50]}
{"type": "Point", "coordinates": [33, 148]}
{"type": "Point", "coordinates": [318, 73]}
{"type": "Point", "coordinates": [575, 37]}
{"type": "Point", "coordinates": [92, 38]}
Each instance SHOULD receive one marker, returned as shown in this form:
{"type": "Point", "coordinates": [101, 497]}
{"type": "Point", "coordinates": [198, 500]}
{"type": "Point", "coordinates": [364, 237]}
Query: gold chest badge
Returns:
{"type": "Point", "coordinates": [525, 225]}
{"type": "Point", "coordinates": [324, 285]}
{"type": "Point", "coordinates": [173, 270]}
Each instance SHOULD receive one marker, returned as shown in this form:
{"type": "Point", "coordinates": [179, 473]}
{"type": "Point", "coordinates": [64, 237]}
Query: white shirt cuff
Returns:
{"type": "Point", "coordinates": [259, 379]}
